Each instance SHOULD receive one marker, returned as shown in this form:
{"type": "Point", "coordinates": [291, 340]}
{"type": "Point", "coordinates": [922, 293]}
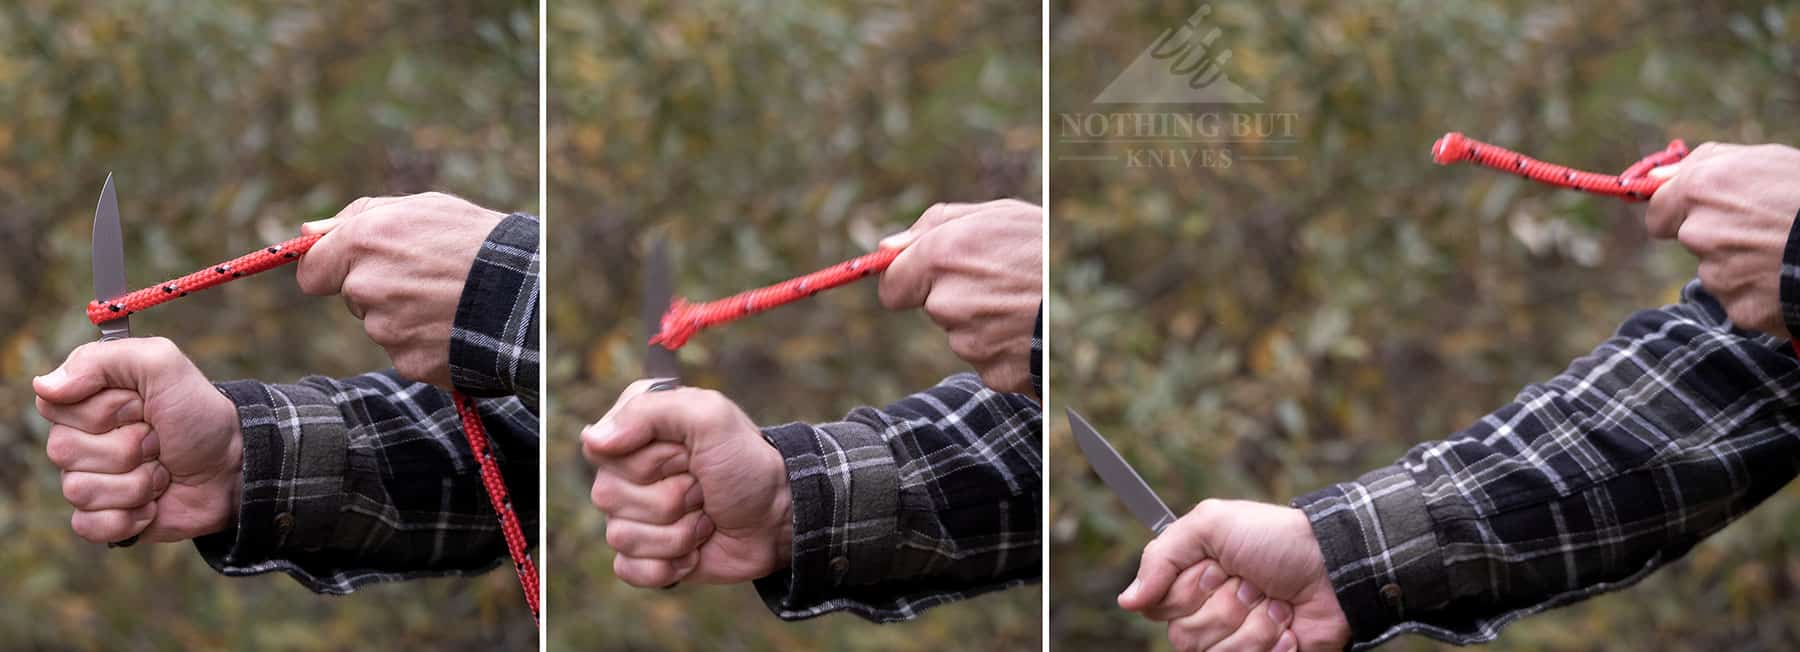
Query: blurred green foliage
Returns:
{"type": "Point", "coordinates": [228, 124]}
{"type": "Point", "coordinates": [763, 139]}
{"type": "Point", "coordinates": [1266, 329]}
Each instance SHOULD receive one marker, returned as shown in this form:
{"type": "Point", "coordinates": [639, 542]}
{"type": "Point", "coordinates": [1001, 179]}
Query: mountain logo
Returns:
{"type": "Point", "coordinates": [1181, 67]}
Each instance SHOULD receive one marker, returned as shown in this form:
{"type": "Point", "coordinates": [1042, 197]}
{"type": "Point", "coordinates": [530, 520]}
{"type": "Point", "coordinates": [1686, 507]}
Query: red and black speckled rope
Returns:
{"type": "Point", "coordinates": [281, 254]}
{"type": "Point", "coordinates": [1634, 184]}
{"type": "Point", "coordinates": [684, 319]}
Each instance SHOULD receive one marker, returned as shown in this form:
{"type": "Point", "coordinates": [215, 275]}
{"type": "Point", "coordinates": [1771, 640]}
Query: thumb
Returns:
{"type": "Point", "coordinates": [907, 282]}
{"type": "Point", "coordinates": [123, 364]}
{"type": "Point", "coordinates": [1154, 577]}
{"type": "Point", "coordinates": [635, 420]}
{"type": "Point", "coordinates": [1666, 171]}
{"type": "Point", "coordinates": [317, 227]}
{"type": "Point", "coordinates": [930, 219]}
{"type": "Point", "coordinates": [1180, 545]}
{"type": "Point", "coordinates": [322, 269]}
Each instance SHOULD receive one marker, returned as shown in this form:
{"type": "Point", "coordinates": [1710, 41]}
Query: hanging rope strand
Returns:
{"type": "Point", "coordinates": [501, 498]}
{"type": "Point", "coordinates": [684, 319]}
{"type": "Point", "coordinates": [275, 256]}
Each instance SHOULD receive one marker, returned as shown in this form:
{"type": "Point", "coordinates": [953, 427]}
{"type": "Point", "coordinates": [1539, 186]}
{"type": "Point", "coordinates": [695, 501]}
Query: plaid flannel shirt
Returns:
{"type": "Point", "coordinates": [368, 479]}
{"type": "Point", "coordinates": [933, 499]}
{"type": "Point", "coordinates": [1585, 484]}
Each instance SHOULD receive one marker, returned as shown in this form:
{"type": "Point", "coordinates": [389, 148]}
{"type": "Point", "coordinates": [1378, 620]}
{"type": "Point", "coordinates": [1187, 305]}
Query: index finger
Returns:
{"type": "Point", "coordinates": [105, 410]}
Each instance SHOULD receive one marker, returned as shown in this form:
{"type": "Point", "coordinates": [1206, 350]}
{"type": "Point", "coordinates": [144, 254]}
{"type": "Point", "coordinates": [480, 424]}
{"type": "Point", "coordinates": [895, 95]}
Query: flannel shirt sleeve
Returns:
{"type": "Point", "coordinates": [1790, 279]}
{"type": "Point", "coordinates": [1037, 354]}
{"type": "Point", "coordinates": [493, 342]}
{"type": "Point", "coordinates": [932, 499]}
{"type": "Point", "coordinates": [1584, 484]}
{"type": "Point", "coordinates": [367, 479]}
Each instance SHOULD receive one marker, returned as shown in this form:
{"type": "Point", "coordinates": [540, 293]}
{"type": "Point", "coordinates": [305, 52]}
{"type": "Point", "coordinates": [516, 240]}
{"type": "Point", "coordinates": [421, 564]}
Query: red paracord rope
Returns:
{"type": "Point", "coordinates": [496, 490]}
{"type": "Point", "coordinates": [684, 319]}
{"type": "Point", "coordinates": [261, 260]}
{"type": "Point", "coordinates": [277, 255]}
{"type": "Point", "coordinates": [1631, 185]}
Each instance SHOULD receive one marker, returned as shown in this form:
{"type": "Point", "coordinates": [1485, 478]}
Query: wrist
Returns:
{"type": "Point", "coordinates": [783, 544]}
{"type": "Point", "coordinates": [227, 482]}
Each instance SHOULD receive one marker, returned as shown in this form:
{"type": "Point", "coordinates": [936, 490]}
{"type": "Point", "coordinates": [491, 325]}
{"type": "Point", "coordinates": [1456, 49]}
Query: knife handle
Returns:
{"type": "Point", "coordinates": [663, 385]}
{"type": "Point", "coordinates": [126, 542]}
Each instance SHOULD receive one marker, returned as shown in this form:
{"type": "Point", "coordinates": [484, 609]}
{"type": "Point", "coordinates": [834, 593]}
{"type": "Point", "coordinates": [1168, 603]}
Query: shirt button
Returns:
{"type": "Point", "coordinates": [284, 522]}
{"type": "Point", "coordinates": [1391, 592]}
{"type": "Point", "coordinates": [839, 566]}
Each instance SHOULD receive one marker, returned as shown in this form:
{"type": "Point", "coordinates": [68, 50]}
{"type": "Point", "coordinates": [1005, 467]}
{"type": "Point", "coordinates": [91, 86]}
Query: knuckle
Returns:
{"type": "Point", "coordinates": [78, 490]}
{"type": "Point", "coordinates": [160, 349]}
{"type": "Point", "coordinates": [972, 347]}
{"type": "Point", "coordinates": [590, 442]}
{"type": "Point", "coordinates": [1694, 235]}
{"type": "Point", "coordinates": [382, 329]}
{"type": "Point", "coordinates": [89, 527]}
{"type": "Point", "coordinates": [603, 494]}
{"type": "Point", "coordinates": [143, 487]}
{"type": "Point", "coordinates": [716, 410]}
{"type": "Point", "coordinates": [1207, 511]}
{"type": "Point", "coordinates": [668, 505]}
{"type": "Point", "coordinates": [619, 538]}
{"type": "Point", "coordinates": [60, 448]}
{"type": "Point", "coordinates": [1153, 551]}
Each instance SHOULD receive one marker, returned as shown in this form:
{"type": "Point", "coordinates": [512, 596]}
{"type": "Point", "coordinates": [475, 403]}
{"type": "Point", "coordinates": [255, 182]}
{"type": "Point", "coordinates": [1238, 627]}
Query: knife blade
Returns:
{"type": "Point", "coordinates": [1123, 480]}
{"type": "Point", "coordinates": [108, 251]}
{"type": "Point", "coordinates": [660, 363]}
{"type": "Point", "coordinates": [109, 260]}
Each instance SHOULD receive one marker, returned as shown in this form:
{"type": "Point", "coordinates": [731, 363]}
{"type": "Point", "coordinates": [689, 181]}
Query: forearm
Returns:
{"type": "Point", "coordinates": [932, 499]}
{"type": "Point", "coordinates": [369, 478]}
{"type": "Point", "coordinates": [494, 340]}
{"type": "Point", "coordinates": [1583, 485]}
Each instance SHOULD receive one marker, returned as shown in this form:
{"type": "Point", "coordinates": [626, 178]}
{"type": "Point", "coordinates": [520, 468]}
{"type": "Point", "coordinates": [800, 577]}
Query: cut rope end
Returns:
{"type": "Point", "coordinates": [677, 325]}
{"type": "Point", "coordinates": [1451, 148]}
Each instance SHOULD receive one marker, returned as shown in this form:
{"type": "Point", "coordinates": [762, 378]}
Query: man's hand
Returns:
{"type": "Point", "coordinates": [690, 489]}
{"type": "Point", "coordinates": [400, 263]}
{"type": "Point", "coordinates": [1733, 206]}
{"type": "Point", "coordinates": [146, 445]}
{"type": "Point", "coordinates": [1236, 575]}
{"type": "Point", "coordinates": [977, 269]}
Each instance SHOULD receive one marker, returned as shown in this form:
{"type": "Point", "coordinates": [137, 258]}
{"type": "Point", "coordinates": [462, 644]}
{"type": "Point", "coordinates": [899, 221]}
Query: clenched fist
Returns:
{"type": "Point", "coordinates": [147, 446]}
{"type": "Point", "coordinates": [1238, 575]}
{"type": "Point", "coordinates": [400, 263]}
{"type": "Point", "coordinates": [691, 490]}
{"type": "Point", "coordinates": [977, 270]}
{"type": "Point", "coordinates": [1733, 206]}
